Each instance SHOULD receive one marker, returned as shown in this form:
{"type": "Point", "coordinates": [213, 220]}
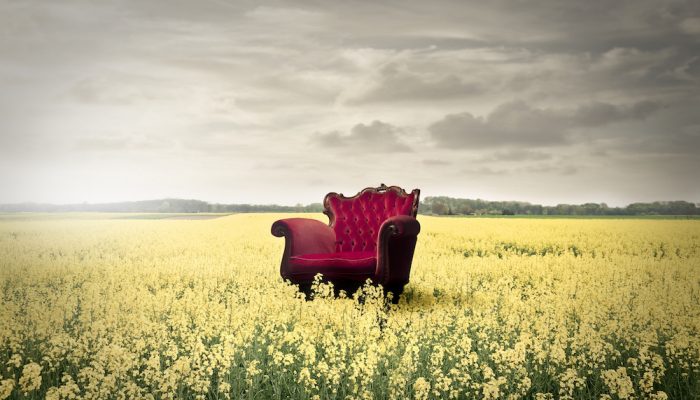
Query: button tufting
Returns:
{"type": "Point", "coordinates": [359, 220]}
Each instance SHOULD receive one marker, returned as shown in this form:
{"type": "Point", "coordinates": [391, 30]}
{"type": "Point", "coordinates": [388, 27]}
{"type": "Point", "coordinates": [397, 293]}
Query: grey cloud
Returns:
{"type": "Point", "coordinates": [546, 26]}
{"type": "Point", "coordinates": [510, 124]}
{"type": "Point", "coordinates": [560, 169]}
{"type": "Point", "coordinates": [377, 136]}
{"type": "Point", "coordinates": [321, 182]}
{"type": "Point", "coordinates": [691, 25]}
{"type": "Point", "coordinates": [671, 130]}
{"type": "Point", "coordinates": [689, 70]}
{"type": "Point", "coordinates": [102, 144]}
{"type": "Point", "coordinates": [109, 143]}
{"type": "Point", "coordinates": [485, 171]}
{"type": "Point", "coordinates": [399, 84]}
{"type": "Point", "coordinates": [556, 169]}
{"type": "Point", "coordinates": [220, 147]}
{"type": "Point", "coordinates": [292, 16]}
{"type": "Point", "coordinates": [626, 74]}
{"type": "Point", "coordinates": [331, 139]}
{"type": "Point", "coordinates": [599, 113]}
{"type": "Point", "coordinates": [519, 155]}
{"type": "Point", "coordinates": [102, 91]}
{"type": "Point", "coordinates": [432, 162]}
{"type": "Point", "coordinates": [517, 124]}
{"type": "Point", "coordinates": [299, 87]}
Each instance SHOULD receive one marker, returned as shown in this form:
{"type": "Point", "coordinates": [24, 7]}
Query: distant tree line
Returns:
{"type": "Point", "coordinates": [440, 205]}
{"type": "Point", "coordinates": [451, 206]}
{"type": "Point", "coordinates": [160, 206]}
{"type": "Point", "coordinates": [256, 208]}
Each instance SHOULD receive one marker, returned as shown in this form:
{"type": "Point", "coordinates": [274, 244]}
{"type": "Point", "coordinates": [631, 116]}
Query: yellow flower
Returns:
{"type": "Point", "coordinates": [421, 388]}
{"type": "Point", "coordinates": [619, 382]}
{"type": "Point", "coordinates": [6, 386]}
{"type": "Point", "coordinates": [31, 378]}
{"type": "Point", "coordinates": [165, 308]}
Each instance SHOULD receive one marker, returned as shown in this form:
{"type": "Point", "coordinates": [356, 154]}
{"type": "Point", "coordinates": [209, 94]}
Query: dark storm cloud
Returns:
{"type": "Point", "coordinates": [377, 136]}
{"type": "Point", "coordinates": [519, 124]}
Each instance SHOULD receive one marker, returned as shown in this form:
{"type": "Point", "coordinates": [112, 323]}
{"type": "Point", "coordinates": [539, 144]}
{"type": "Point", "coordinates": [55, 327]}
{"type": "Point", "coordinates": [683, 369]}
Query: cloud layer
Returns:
{"type": "Point", "coordinates": [517, 124]}
{"type": "Point", "coordinates": [376, 136]}
{"type": "Point", "coordinates": [559, 101]}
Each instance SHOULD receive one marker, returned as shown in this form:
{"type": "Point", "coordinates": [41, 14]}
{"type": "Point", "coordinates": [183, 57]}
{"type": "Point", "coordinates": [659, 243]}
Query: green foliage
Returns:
{"type": "Point", "coordinates": [442, 205]}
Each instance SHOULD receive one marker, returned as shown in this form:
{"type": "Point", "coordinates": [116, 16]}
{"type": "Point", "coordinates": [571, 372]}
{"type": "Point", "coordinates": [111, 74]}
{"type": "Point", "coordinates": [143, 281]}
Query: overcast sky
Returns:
{"type": "Point", "coordinates": [280, 102]}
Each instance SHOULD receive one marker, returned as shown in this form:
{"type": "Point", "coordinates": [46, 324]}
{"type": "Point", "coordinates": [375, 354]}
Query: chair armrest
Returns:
{"type": "Point", "coordinates": [303, 236]}
{"type": "Point", "coordinates": [401, 225]}
{"type": "Point", "coordinates": [395, 247]}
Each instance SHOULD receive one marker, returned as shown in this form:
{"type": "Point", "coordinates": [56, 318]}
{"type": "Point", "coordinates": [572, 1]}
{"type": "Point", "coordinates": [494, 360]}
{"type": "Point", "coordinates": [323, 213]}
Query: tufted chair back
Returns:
{"type": "Point", "coordinates": [356, 220]}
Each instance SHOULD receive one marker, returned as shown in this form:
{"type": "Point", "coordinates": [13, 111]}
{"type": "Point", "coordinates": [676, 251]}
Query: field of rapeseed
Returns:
{"type": "Point", "coordinates": [496, 308]}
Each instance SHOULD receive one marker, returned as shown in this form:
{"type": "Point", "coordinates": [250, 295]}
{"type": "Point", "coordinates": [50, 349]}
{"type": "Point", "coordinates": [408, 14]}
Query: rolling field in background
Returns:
{"type": "Point", "coordinates": [95, 307]}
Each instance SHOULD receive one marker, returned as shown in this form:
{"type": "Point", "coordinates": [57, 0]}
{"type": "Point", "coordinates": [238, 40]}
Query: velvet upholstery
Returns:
{"type": "Point", "coordinates": [354, 266]}
{"type": "Point", "coordinates": [356, 220]}
{"type": "Point", "coordinates": [302, 236]}
{"type": "Point", "coordinates": [371, 235]}
{"type": "Point", "coordinates": [397, 241]}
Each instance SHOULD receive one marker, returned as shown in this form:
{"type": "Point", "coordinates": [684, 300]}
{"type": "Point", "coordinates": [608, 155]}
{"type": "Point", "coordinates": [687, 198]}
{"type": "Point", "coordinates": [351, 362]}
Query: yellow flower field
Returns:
{"type": "Point", "coordinates": [102, 308]}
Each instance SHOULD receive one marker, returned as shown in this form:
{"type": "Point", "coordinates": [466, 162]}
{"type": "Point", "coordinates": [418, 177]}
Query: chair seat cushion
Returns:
{"type": "Point", "coordinates": [354, 266]}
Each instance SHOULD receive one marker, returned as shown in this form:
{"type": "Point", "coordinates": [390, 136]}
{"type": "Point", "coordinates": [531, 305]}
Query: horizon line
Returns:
{"type": "Point", "coordinates": [37, 203]}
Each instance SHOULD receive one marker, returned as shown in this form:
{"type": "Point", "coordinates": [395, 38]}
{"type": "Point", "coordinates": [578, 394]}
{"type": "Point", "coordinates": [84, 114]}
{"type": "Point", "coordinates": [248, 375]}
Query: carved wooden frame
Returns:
{"type": "Point", "coordinates": [382, 188]}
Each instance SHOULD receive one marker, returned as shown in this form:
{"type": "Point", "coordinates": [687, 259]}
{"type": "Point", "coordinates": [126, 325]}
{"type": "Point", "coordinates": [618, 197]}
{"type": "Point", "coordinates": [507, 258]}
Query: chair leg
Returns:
{"type": "Point", "coordinates": [350, 289]}
{"type": "Point", "coordinates": [306, 289]}
{"type": "Point", "coordinates": [396, 291]}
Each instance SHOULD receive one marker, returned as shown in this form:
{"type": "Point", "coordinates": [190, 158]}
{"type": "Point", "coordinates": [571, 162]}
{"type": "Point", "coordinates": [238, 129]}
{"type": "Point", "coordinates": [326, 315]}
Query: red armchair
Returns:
{"type": "Point", "coordinates": [370, 235]}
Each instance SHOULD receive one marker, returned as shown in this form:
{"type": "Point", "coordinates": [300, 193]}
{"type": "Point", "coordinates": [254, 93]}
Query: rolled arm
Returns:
{"type": "Point", "coordinates": [303, 236]}
{"type": "Point", "coordinates": [396, 245]}
{"type": "Point", "coordinates": [401, 225]}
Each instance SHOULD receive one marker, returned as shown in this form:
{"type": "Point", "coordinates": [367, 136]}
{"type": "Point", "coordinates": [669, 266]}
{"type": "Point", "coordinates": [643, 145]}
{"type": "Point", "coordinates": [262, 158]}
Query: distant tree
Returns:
{"type": "Point", "coordinates": [440, 208]}
{"type": "Point", "coordinates": [164, 206]}
{"type": "Point", "coordinates": [464, 208]}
